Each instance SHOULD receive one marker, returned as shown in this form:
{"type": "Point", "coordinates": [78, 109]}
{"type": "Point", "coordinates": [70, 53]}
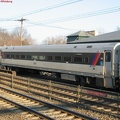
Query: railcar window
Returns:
{"type": "Point", "coordinates": [49, 58]}
{"type": "Point", "coordinates": [67, 59]}
{"type": "Point", "coordinates": [28, 57]}
{"type": "Point", "coordinates": [17, 56]}
{"type": "Point", "coordinates": [108, 57]}
{"type": "Point", "coordinates": [57, 58]}
{"type": "Point", "coordinates": [86, 59]}
{"type": "Point", "coordinates": [41, 57]}
{"type": "Point", "coordinates": [78, 59]}
{"type": "Point", "coordinates": [34, 57]}
{"type": "Point", "coordinates": [22, 56]}
{"type": "Point", "coordinates": [12, 56]}
{"type": "Point", "coordinates": [89, 46]}
{"type": "Point", "coordinates": [8, 56]}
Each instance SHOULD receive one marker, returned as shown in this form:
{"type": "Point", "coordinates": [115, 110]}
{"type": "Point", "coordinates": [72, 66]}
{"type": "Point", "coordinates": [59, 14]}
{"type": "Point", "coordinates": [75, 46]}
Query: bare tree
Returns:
{"type": "Point", "coordinates": [4, 36]}
{"type": "Point", "coordinates": [13, 38]}
{"type": "Point", "coordinates": [26, 38]}
{"type": "Point", "coordinates": [55, 40]}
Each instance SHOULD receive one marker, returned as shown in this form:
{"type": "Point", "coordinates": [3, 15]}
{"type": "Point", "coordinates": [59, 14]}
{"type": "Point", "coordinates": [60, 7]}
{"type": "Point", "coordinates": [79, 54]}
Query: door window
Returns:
{"type": "Point", "coordinates": [108, 57]}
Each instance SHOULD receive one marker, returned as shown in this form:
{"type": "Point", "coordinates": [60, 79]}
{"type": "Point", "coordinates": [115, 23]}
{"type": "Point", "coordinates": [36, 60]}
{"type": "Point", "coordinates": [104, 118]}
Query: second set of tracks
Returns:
{"type": "Point", "coordinates": [38, 108]}
{"type": "Point", "coordinates": [104, 102]}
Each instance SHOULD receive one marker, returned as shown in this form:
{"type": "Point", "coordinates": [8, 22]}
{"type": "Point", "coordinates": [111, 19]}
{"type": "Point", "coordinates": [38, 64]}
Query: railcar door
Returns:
{"type": "Point", "coordinates": [108, 63]}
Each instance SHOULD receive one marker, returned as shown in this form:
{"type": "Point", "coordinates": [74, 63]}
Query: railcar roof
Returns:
{"type": "Point", "coordinates": [59, 48]}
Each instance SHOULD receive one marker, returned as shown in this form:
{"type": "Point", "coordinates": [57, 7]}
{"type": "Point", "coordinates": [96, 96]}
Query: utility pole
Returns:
{"type": "Point", "coordinates": [8, 1]}
{"type": "Point", "coordinates": [21, 28]}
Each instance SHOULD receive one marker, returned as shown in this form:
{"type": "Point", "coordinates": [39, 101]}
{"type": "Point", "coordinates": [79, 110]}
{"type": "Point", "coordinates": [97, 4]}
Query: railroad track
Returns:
{"type": "Point", "coordinates": [101, 101]}
{"type": "Point", "coordinates": [40, 109]}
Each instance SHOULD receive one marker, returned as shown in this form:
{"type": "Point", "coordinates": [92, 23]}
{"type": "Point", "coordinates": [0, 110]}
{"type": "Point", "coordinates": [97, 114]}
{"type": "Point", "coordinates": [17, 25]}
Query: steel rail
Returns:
{"type": "Point", "coordinates": [80, 115]}
{"type": "Point", "coordinates": [22, 107]}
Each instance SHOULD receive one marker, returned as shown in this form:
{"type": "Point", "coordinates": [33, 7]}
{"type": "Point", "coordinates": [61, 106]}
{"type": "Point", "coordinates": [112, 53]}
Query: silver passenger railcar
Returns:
{"type": "Point", "coordinates": [95, 64]}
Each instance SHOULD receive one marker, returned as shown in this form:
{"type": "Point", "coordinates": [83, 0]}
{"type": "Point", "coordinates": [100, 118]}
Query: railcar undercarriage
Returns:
{"type": "Point", "coordinates": [81, 80]}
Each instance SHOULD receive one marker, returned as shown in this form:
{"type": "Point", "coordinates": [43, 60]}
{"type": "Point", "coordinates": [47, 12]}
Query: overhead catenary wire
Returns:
{"type": "Point", "coordinates": [42, 9]}
{"type": "Point", "coordinates": [74, 17]}
{"type": "Point", "coordinates": [83, 15]}
{"type": "Point", "coordinates": [46, 25]}
{"type": "Point", "coordinates": [32, 23]}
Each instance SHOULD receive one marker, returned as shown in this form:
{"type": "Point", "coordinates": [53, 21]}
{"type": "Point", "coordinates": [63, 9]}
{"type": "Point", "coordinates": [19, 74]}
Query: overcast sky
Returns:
{"type": "Point", "coordinates": [50, 18]}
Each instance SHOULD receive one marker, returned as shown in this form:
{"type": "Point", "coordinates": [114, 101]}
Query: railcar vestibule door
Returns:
{"type": "Point", "coordinates": [108, 63]}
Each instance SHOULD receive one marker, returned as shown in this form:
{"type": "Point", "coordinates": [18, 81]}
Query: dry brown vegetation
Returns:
{"type": "Point", "coordinates": [13, 38]}
{"type": "Point", "coordinates": [55, 40]}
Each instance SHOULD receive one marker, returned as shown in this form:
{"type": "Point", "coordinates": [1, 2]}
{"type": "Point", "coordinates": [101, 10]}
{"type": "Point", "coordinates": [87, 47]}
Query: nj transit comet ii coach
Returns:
{"type": "Point", "coordinates": [95, 64]}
